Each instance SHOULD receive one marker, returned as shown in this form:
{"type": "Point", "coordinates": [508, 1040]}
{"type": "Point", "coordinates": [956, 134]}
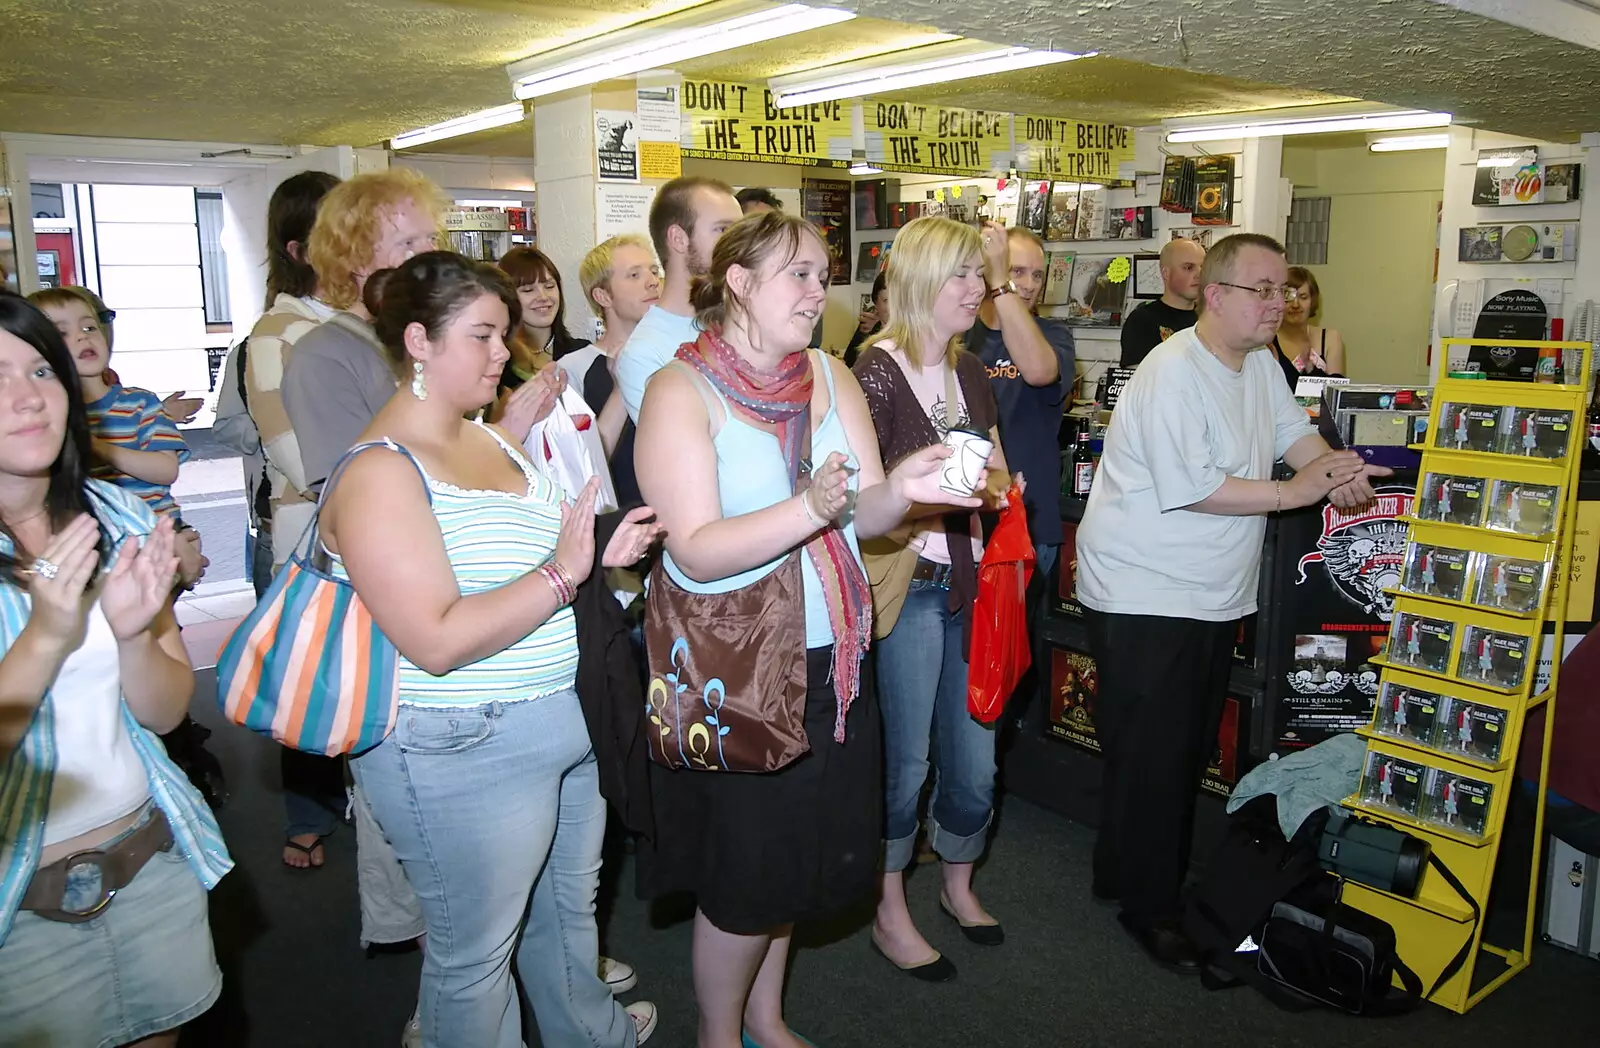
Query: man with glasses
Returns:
{"type": "Point", "coordinates": [1169, 554]}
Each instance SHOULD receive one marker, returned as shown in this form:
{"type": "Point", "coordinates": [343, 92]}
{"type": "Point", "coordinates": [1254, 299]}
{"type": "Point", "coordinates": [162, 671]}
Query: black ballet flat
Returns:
{"type": "Point", "coordinates": [938, 970]}
{"type": "Point", "coordinates": [978, 934]}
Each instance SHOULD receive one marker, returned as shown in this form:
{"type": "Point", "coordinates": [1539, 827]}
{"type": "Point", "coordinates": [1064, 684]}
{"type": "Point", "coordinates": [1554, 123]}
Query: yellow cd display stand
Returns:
{"type": "Point", "coordinates": [1491, 532]}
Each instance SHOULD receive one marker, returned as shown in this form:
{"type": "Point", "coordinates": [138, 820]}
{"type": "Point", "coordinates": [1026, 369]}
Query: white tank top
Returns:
{"type": "Point", "coordinates": [99, 777]}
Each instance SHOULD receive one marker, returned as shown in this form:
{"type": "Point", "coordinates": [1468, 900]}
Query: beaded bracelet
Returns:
{"type": "Point", "coordinates": [560, 583]}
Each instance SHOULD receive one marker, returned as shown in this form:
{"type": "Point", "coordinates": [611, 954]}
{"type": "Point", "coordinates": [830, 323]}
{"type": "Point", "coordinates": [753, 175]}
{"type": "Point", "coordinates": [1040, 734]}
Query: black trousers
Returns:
{"type": "Point", "coordinates": [1162, 684]}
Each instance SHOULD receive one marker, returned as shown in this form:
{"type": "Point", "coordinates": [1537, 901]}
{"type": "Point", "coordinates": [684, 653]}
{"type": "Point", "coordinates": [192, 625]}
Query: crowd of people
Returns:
{"type": "Point", "coordinates": [389, 391]}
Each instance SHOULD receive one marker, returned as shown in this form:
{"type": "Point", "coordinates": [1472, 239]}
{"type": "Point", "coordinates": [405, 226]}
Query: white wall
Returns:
{"type": "Point", "coordinates": [244, 226]}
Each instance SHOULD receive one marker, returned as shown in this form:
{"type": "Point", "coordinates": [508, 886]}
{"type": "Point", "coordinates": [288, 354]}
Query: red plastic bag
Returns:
{"type": "Point", "coordinates": [1001, 651]}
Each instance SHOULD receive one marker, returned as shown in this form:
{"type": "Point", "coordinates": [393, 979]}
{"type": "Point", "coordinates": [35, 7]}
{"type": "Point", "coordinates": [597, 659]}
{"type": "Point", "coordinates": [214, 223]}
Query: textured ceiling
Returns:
{"type": "Point", "coordinates": [1408, 52]}
{"type": "Point", "coordinates": [356, 72]}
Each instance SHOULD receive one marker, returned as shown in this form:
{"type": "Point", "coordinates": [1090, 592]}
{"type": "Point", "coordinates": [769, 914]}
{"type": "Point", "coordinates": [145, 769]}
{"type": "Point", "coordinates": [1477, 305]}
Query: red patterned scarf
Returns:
{"type": "Point", "coordinates": [782, 398]}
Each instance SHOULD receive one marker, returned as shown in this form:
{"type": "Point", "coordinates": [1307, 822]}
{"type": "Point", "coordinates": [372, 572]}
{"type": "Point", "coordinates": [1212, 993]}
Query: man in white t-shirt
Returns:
{"type": "Point", "coordinates": [687, 217]}
{"type": "Point", "coordinates": [1169, 555]}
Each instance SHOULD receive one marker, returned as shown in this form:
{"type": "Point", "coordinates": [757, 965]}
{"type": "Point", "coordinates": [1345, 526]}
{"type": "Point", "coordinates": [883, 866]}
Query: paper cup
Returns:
{"type": "Point", "coordinates": [970, 453]}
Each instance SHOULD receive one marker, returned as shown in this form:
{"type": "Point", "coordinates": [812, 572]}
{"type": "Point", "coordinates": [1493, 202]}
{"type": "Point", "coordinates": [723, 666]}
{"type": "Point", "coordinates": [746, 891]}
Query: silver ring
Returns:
{"type": "Point", "coordinates": [45, 569]}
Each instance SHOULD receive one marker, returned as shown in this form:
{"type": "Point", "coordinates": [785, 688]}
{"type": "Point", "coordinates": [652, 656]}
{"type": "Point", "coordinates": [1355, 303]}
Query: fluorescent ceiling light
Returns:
{"type": "Point", "coordinates": [1404, 143]}
{"type": "Point", "coordinates": [931, 64]}
{"type": "Point", "coordinates": [499, 116]}
{"type": "Point", "coordinates": [487, 203]}
{"type": "Point", "coordinates": [660, 42]}
{"type": "Point", "coordinates": [861, 167]}
{"type": "Point", "coordinates": [1404, 120]}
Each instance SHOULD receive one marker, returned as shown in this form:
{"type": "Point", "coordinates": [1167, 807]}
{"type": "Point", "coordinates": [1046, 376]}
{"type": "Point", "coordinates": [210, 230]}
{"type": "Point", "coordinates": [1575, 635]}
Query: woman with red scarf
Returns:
{"type": "Point", "coordinates": [719, 455]}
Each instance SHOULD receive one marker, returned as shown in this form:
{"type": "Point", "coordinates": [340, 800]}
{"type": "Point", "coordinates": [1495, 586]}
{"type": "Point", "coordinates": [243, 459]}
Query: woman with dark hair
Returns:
{"type": "Point", "coordinates": [1302, 347]}
{"type": "Point", "coordinates": [871, 321]}
{"type": "Point", "coordinates": [542, 336]}
{"type": "Point", "coordinates": [107, 851]}
{"type": "Point", "coordinates": [719, 451]}
{"type": "Point", "coordinates": [469, 560]}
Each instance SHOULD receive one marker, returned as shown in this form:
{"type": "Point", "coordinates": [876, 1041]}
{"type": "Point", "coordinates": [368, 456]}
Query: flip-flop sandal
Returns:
{"type": "Point", "coordinates": [307, 849]}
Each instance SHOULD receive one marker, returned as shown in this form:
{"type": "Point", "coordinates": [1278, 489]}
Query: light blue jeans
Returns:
{"type": "Point", "coordinates": [922, 691]}
{"type": "Point", "coordinates": [495, 813]}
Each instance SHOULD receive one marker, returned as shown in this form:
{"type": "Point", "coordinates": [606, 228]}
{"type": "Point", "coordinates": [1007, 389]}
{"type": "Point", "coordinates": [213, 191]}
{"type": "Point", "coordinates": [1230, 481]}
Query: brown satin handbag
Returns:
{"type": "Point", "coordinates": [727, 687]}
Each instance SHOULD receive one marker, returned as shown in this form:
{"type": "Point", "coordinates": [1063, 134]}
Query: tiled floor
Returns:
{"type": "Point", "coordinates": [209, 619]}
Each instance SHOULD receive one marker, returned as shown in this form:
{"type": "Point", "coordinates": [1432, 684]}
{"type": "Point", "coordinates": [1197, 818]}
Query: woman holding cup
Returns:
{"type": "Point", "coordinates": [923, 388]}
{"type": "Point", "coordinates": [721, 457]}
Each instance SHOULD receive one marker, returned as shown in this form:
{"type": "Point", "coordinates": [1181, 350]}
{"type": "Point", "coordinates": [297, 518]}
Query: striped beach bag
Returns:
{"type": "Point", "coordinates": [308, 666]}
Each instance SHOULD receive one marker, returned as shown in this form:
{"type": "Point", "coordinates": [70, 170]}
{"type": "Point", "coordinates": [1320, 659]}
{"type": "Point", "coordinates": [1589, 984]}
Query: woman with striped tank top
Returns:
{"type": "Point", "coordinates": [469, 559]}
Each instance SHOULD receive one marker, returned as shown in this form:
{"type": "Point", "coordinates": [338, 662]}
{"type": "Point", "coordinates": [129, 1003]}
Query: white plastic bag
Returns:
{"type": "Point", "coordinates": [566, 446]}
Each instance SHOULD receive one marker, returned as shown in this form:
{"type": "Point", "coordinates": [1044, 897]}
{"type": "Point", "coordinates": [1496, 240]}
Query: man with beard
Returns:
{"type": "Point", "coordinates": [686, 218]}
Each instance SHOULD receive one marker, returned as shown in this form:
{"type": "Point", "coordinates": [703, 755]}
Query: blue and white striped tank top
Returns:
{"type": "Point", "coordinates": [493, 538]}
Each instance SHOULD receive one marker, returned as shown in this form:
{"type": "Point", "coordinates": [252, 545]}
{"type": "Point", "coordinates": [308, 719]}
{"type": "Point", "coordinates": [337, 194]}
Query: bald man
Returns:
{"type": "Point", "coordinates": [1158, 320]}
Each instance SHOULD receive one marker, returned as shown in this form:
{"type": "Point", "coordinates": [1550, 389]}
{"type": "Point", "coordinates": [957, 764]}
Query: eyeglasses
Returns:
{"type": "Point", "coordinates": [1269, 292]}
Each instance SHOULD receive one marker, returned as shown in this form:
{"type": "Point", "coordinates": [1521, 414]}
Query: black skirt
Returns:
{"type": "Point", "coordinates": [763, 850]}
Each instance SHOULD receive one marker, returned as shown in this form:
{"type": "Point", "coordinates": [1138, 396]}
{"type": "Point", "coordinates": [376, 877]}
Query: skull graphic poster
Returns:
{"type": "Point", "coordinates": [1333, 614]}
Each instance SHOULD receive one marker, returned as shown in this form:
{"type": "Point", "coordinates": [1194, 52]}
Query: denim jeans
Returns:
{"type": "Point", "coordinates": [922, 690]}
{"type": "Point", "coordinates": [496, 815]}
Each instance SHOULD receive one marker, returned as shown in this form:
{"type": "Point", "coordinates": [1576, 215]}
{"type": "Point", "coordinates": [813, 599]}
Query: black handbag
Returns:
{"type": "Point", "coordinates": [1345, 959]}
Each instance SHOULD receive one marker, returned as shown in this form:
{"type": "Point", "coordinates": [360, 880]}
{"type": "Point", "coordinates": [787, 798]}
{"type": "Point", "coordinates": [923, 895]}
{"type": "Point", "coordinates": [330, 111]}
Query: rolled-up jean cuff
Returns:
{"type": "Point", "coordinates": [898, 853]}
{"type": "Point", "coordinates": [952, 848]}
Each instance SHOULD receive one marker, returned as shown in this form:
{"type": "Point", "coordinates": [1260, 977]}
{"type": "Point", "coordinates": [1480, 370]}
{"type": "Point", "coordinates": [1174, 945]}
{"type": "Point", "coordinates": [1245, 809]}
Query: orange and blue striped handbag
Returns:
{"type": "Point", "coordinates": [308, 666]}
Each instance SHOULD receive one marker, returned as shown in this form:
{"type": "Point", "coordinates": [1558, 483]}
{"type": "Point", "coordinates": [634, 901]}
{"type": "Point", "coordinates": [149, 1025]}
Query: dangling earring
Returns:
{"type": "Point", "coordinates": [419, 384]}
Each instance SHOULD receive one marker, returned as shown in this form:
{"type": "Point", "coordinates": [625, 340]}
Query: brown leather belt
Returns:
{"type": "Point", "coordinates": [931, 571]}
{"type": "Point", "coordinates": [118, 866]}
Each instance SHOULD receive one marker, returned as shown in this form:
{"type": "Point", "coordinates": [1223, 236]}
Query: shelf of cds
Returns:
{"type": "Point", "coordinates": [1480, 581]}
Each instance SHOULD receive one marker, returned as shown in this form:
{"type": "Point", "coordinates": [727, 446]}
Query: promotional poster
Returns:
{"type": "Point", "coordinates": [1067, 572]}
{"type": "Point", "coordinates": [1074, 683]}
{"type": "Point", "coordinates": [1335, 614]}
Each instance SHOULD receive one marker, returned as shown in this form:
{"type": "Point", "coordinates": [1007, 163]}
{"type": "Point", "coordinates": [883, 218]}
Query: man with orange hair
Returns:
{"type": "Point", "coordinates": [338, 377]}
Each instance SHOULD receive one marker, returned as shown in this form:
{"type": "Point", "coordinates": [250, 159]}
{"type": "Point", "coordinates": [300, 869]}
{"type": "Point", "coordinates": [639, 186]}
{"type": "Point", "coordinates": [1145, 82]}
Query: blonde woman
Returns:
{"type": "Point", "coordinates": [936, 287]}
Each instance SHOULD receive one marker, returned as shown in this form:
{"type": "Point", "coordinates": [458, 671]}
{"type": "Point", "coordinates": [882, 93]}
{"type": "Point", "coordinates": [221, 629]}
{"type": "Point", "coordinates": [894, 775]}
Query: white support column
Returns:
{"type": "Point", "coordinates": [14, 163]}
{"type": "Point", "coordinates": [1266, 196]}
{"type": "Point", "coordinates": [564, 179]}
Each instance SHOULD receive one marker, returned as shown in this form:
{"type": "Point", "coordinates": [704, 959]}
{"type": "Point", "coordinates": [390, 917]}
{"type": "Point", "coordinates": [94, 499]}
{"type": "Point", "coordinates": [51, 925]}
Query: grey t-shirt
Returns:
{"type": "Point", "coordinates": [337, 380]}
{"type": "Point", "coordinates": [1185, 423]}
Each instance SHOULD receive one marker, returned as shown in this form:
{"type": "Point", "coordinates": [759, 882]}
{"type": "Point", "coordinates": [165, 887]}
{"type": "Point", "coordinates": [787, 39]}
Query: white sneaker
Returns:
{"type": "Point", "coordinates": [618, 976]}
{"type": "Point", "coordinates": [644, 1019]}
{"type": "Point", "coordinates": [412, 1038]}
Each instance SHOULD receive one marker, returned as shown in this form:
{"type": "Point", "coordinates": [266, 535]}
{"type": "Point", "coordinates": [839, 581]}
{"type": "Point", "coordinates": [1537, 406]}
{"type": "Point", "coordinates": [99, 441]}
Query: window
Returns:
{"type": "Point", "coordinates": [1306, 240]}
{"type": "Point", "coordinates": [213, 263]}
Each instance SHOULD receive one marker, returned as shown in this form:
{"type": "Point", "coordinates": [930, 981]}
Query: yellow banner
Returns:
{"type": "Point", "coordinates": [729, 121]}
{"type": "Point", "coordinates": [1585, 552]}
{"type": "Point", "coordinates": [1061, 149]}
{"type": "Point", "coordinates": [936, 140]}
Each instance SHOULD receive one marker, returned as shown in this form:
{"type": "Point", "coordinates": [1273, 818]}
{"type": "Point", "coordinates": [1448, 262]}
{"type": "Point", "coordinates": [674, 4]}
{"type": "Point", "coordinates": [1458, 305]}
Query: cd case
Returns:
{"type": "Point", "coordinates": [1408, 713]}
{"type": "Point", "coordinates": [1415, 640]}
{"type": "Point", "coordinates": [1509, 583]}
{"type": "Point", "coordinates": [1527, 509]}
{"type": "Point", "coordinates": [1490, 657]}
{"type": "Point", "coordinates": [1456, 802]}
{"type": "Point", "coordinates": [1436, 571]}
{"type": "Point", "coordinates": [1543, 433]}
{"type": "Point", "coordinates": [1469, 427]}
{"type": "Point", "coordinates": [1469, 730]}
{"type": "Point", "coordinates": [1453, 500]}
{"type": "Point", "coordinates": [1393, 783]}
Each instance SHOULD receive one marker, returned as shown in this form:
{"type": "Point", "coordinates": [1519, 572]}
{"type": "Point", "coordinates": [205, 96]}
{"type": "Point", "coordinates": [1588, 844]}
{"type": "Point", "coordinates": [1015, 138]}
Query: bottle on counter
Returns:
{"type": "Point", "coordinates": [1549, 365]}
{"type": "Point", "coordinates": [1083, 465]}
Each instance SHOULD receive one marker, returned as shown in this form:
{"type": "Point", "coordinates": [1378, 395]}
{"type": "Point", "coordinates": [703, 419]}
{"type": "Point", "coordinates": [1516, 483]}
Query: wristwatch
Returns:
{"type": "Point", "coordinates": [1008, 288]}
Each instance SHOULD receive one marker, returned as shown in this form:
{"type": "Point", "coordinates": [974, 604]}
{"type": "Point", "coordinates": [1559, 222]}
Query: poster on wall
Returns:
{"type": "Point", "coordinates": [1335, 613]}
{"type": "Point", "coordinates": [621, 209]}
{"type": "Point", "coordinates": [1222, 770]}
{"type": "Point", "coordinates": [1067, 572]}
{"type": "Point", "coordinates": [616, 145]}
{"type": "Point", "coordinates": [825, 203]}
{"type": "Point", "coordinates": [936, 140]}
{"type": "Point", "coordinates": [656, 102]}
{"type": "Point", "coordinates": [1074, 683]}
{"type": "Point", "coordinates": [732, 121]}
{"type": "Point", "coordinates": [1066, 150]}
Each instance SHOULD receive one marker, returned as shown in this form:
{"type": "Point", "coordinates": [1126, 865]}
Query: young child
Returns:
{"type": "Point", "coordinates": [135, 445]}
